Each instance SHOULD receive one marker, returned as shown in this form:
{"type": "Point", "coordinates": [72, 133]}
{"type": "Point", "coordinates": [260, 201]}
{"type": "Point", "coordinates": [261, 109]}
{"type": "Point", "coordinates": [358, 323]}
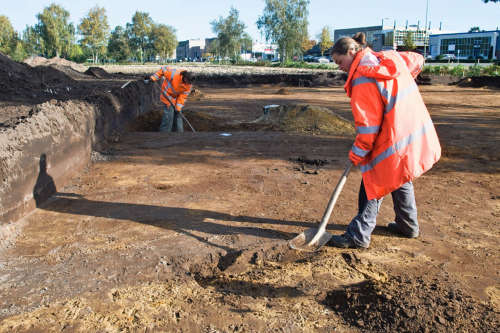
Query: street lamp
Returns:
{"type": "Point", "coordinates": [425, 31]}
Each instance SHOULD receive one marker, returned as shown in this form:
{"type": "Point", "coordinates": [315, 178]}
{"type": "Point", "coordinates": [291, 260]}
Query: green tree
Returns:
{"type": "Point", "coordinates": [33, 43]}
{"type": "Point", "coordinates": [284, 22]}
{"type": "Point", "coordinates": [211, 47]}
{"type": "Point", "coordinates": [164, 40]}
{"type": "Point", "coordinates": [230, 33]}
{"type": "Point", "coordinates": [7, 34]}
{"type": "Point", "coordinates": [17, 50]}
{"type": "Point", "coordinates": [139, 31]}
{"type": "Point", "coordinates": [408, 42]}
{"type": "Point", "coordinates": [56, 34]}
{"type": "Point", "coordinates": [94, 29]}
{"type": "Point", "coordinates": [307, 44]}
{"type": "Point", "coordinates": [246, 42]}
{"type": "Point", "coordinates": [325, 41]}
{"type": "Point", "coordinates": [119, 44]}
{"type": "Point", "coordinates": [490, 1]}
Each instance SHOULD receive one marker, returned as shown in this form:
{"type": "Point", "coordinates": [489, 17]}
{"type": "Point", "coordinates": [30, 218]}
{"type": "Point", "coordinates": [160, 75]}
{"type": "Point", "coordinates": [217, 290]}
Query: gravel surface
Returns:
{"type": "Point", "coordinates": [214, 69]}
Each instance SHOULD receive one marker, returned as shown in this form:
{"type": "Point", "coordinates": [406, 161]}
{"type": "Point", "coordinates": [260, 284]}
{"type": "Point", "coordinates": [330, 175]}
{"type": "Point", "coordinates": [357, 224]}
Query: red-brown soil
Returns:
{"type": "Point", "coordinates": [188, 232]}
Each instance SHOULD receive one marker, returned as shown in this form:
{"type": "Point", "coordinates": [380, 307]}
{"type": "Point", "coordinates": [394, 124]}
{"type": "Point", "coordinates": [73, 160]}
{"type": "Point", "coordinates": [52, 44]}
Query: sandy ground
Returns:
{"type": "Point", "coordinates": [188, 232]}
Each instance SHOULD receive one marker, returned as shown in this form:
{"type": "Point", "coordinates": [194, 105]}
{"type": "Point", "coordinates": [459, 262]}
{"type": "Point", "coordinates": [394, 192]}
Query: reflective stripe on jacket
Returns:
{"type": "Point", "coordinates": [396, 140]}
{"type": "Point", "coordinates": [173, 91]}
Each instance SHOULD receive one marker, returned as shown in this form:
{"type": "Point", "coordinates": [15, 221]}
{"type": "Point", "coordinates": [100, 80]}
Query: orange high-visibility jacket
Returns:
{"type": "Point", "coordinates": [396, 140]}
{"type": "Point", "coordinates": [173, 91]}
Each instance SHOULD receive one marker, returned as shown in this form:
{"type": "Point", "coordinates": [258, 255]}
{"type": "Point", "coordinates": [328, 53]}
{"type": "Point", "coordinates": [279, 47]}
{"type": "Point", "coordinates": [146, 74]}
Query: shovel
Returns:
{"type": "Point", "coordinates": [313, 239]}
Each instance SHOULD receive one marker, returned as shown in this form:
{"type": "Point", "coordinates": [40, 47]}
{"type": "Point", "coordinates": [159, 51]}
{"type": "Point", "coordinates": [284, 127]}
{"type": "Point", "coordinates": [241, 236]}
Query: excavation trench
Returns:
{"type": "Point", "coordinates": [190, 231]}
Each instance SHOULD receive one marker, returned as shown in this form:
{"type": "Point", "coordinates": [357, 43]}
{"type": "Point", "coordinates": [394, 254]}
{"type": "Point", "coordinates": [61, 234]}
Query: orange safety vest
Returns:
{"type": "Point", "coordinates": [396, 140]}
{"type": "Point", "coordinates": [173, 91]}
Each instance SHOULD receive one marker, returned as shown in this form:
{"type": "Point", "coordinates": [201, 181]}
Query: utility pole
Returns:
{"type": "Point", "coordinates": [425, 31]}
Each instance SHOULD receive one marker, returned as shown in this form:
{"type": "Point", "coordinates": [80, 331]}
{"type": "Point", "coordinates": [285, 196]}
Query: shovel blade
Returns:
{"type": "Point", "coordinates": [301, 242]}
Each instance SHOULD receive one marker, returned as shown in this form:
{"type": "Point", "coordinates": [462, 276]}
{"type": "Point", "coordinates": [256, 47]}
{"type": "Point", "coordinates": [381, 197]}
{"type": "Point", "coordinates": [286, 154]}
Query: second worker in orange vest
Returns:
{"type": "Point", "coordinates": [175, 88]}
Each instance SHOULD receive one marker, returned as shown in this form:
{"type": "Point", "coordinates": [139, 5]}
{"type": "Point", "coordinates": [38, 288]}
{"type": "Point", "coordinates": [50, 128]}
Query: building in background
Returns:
{"type": "Point", "coordinates": [372, 33]}
{"type": "Point", "coordinates": [191, 49]}
{"type": "Point", "coordinates": [206, 49]}
{"type": "Point", "coordinates": [264, 51]}
{"type": "Point", "coordinates": [466, 45]}
{"type": "Point", "coordinates": [385, 37]}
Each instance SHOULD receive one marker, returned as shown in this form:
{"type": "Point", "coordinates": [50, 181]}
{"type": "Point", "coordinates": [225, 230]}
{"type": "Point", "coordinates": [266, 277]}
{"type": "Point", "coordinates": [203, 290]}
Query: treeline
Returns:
{"type": "Point", "coordinates": [283, 22]}
{"type": "Point", "coordinates": [54, 36]}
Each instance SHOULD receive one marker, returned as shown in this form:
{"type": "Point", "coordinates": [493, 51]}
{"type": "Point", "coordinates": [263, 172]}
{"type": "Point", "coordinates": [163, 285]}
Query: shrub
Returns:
{"type": "Point", "coordinates": [458, 70]}
{"type": "Point", "coordinates": [492, 70]}
{"type": "Point", "coordinates": [474, 70]}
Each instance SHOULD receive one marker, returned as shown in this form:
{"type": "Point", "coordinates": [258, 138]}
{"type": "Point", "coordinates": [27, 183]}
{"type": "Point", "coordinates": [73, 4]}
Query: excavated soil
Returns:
{"type": "Point", "coordinates": [188, 232]}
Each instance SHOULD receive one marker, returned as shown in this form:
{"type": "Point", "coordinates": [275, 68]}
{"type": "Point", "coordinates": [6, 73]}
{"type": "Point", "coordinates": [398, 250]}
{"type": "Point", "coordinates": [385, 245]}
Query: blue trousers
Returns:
{"type": "Point", "coordinates": [171, 120]}
{"type": "Point", "coordinates": [405, 207]}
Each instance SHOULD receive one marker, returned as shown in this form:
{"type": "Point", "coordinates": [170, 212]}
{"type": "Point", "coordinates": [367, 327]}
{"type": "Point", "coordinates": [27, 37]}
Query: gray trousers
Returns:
{"type": "Point", "coordinates": [405, 207]}
{"type": "Point", "coordinates": [171, 120]}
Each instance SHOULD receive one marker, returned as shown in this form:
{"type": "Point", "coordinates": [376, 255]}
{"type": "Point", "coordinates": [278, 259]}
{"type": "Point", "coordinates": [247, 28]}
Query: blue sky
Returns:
{"type": "Point", "coordinates": [192, 18]}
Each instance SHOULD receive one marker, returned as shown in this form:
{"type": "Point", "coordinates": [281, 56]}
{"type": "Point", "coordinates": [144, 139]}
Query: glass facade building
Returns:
{"type": "Point", "coordinates": [470, 45]}
{"type": "Point", "coordinates": [396, 38]}
{"type": "Point", "coordinates": [383, 37]}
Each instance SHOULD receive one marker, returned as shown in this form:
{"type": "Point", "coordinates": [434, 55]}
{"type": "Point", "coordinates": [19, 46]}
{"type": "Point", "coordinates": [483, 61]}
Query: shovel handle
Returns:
{"type": "Point", "coordinates": [335, 196]}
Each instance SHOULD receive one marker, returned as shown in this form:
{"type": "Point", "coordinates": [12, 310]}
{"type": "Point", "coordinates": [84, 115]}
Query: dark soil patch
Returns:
{"type": "Point", "coordinates": [283, 91]}
{"type": "Point", "coordinates": [309, 161]}
{"type": "Point", "coordinates": [98, 72]}
{"type": "Point", "coordinates": [431, 79]}
{"type": "Point", "coordinates": [333, 78]}
{"type": "Point", "coordinates": [480, 82]}
{"type": "Point", "coordinates": [411, 305]}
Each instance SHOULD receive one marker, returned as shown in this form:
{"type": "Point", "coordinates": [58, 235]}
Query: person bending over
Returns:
{"type": "Point", "coordinates": [175, 88]}
{"type": "Point", "coordinates": [396, 141]}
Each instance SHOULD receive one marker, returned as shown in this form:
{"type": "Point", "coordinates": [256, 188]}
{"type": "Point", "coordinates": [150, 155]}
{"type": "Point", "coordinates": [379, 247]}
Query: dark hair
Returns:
{"type": "Point", "coordinates": [187, 77]}
{"type": "Point", "coordinates": [344, 44]}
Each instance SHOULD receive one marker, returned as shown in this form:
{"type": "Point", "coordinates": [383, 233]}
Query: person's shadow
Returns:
{"type": "Point", "coordinates": [182, 220]}
{"type": "Point", "coordinates": [44, 186]}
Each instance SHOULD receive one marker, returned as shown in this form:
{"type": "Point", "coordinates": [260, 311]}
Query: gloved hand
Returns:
{"type": "Point", "coordinates": [355, 159]}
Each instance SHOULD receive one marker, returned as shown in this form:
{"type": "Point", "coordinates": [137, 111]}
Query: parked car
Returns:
{"type": "Point", "coordinates": [309, 58]}
{"type": "Point", "coordinates": [448, 57]}
{"type": "Point", "coordinates": [323, 60]}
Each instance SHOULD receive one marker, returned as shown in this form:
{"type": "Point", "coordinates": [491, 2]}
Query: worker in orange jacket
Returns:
{"type": "Point", "coordinates": [396, 140]}
{"type": "Point", "coordinates": [175, 88]}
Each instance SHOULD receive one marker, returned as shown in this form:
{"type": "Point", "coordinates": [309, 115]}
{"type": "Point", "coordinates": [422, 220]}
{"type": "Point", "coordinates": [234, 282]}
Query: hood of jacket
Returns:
{"type": "Point", "coordinates": [386, 68]}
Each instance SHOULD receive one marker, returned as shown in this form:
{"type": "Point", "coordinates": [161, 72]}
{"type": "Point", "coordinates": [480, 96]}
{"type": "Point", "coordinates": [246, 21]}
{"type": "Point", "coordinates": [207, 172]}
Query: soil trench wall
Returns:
{"type": "Point", "coordinates": [41, 153]}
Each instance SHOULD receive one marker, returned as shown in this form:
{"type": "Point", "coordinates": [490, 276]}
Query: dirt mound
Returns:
{"type": "Point", "coordinates": [18, 80]}
{"type": "Point", "coordinates": [41, 61]}
{"type": "Point", "coordinates": [15, 79]}
{"type": "Point", "coordinates": [196, 94]}
{"type": "Point", "coordinates": [411, 305]}
{"type": "Point", "coordinates": [98, 73]}
{"type": "Point", "coordinates": [283, 91]}
{"type": "Point", "coordinates": [305, 118]}
{"type": "Point", "coordinates": [480, 81]}
{"type": "Point", "coordinates": [22, 82]}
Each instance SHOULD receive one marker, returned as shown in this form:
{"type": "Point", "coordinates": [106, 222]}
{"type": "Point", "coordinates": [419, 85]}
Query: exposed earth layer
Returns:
{"type": "Point", "coordinates": [188, 232]}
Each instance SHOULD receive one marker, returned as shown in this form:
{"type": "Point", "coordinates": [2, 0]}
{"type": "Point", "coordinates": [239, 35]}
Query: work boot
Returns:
{"type": "Point", "coordinates": [342, 241]}
{"type": "Point", "coordinates": [394, 228]}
